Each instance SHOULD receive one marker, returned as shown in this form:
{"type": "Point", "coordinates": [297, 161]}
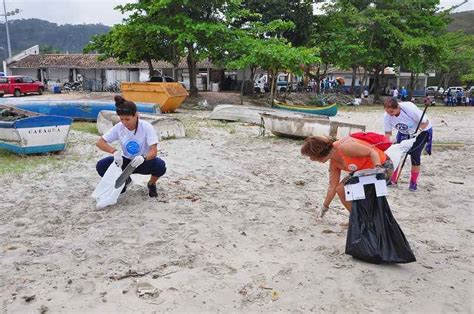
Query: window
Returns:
{"type": "Point", "coordinates": [18, 80]}
{"type": "Point", "coordinates": [3, 80]}
{"type": "Point", "coordinates": [27, 79]}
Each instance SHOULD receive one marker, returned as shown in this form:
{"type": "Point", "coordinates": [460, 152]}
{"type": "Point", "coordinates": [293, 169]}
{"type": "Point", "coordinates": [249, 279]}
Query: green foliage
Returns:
{"type": "Point", "coordinates": [12, 164]}
{"type": "Point", "coordinates": [87, 127]}
{"type": "Point", "coordinates": [26, 33]}
{"type": "Point", "coordinates": [47, 49]}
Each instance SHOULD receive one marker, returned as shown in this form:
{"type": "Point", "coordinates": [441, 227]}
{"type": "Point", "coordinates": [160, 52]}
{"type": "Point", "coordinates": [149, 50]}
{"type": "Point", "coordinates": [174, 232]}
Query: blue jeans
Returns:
{"type": "Point", "coordinates": [156, 167]}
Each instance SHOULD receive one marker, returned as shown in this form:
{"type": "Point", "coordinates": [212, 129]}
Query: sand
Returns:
{"type": "Point", "coordinates": [233, 230]}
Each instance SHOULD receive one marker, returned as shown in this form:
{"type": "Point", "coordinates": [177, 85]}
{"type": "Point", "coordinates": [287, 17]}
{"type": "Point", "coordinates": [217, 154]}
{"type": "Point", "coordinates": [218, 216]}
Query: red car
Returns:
{"type": "Point", "coordinates": [17, 85]}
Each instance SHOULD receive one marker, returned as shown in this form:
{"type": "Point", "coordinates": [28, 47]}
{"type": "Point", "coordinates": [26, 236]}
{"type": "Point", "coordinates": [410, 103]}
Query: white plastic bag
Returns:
{"type": "Point", "coordinates": [397, 151]}
{"type": "Point", "coordinates": [105, 193]}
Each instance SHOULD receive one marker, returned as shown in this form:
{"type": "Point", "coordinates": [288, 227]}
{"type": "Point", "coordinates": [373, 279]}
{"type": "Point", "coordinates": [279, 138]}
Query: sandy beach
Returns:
{"type": "Point", "coordinates": [233, 229]}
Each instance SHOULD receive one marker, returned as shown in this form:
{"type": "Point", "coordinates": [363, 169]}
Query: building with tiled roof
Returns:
{"type": "Point", "coordinates": [98, 74]}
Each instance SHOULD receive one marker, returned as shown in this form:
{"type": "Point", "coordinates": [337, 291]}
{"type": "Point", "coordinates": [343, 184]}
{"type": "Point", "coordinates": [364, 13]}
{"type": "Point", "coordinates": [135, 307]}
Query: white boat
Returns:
{"type": "Point", "coordinates": [26, 132]}
{"type": "Point", "coordinates": [248, 114]}
{"type": "Point", "coordinates": [166, 127]}
{"type": "Point", "coordinates": [251, 114]}
{"type": "Point", "coordinates": [302, 126]}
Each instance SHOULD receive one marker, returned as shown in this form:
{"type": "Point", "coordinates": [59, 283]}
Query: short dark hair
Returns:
{"type": "Point", "coordinates": [124, 107]}
{"type": "Point", "coordinates": [390, 102]}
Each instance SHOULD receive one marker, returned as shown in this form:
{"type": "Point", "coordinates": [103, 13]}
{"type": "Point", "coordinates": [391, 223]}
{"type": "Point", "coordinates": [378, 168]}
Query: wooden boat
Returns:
{"type": "Point", "coordinates": [304, 125]}
{"type": "Point", "coordinates": [76, 109]}
{"type": "Point", "coordinates": [26, 132]}
{"type": "Point", "coordinates": [166, 127]}
{"type": "Point", "coordinates": [248, 114]}
{"type": "Point", "coordinates": [329, 111]}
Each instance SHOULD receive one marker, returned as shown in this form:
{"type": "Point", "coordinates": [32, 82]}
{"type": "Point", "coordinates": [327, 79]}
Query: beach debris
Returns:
{"type": "Point", "coordinates": [128, 274]}
{"type": "Point", "coordinates": [328, 231]}
{"type": "Point", "coordinates": [243, 233]}
{"type": "Point", "coordinates": [275, 295]}
{"type": "Point", "coordinates": [455, 182]}
{"type": "Point", "coordinates": [29, 298]}
{"type": "Point", "coordinates": [147, 290]}
{"type": "Point", "coordinates": [300, 182]}
{"type": "Point", "coordinates": [43, 309]}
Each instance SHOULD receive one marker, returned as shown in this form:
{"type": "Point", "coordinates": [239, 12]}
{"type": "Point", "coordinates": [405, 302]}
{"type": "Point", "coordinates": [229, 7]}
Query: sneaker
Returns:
{"type": "Point", "coordinates": [129, 180]}
{"type": "Point", "coordinates": [392, 184]}
{"type": "Point", "coordinates": [412, 186]}
{"type": "Point", "coordinates": [152, 190]}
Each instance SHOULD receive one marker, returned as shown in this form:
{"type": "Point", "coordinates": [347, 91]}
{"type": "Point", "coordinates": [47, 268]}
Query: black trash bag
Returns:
{"type": "Point", "coordinates": [374, 235]}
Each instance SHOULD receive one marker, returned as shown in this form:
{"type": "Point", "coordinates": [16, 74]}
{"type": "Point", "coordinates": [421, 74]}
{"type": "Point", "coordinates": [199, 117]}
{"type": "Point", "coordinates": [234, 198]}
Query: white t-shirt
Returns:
{"type": "Point", "coordinates": [133, 143]}
{"type": "Point", "coordinates": [395, 93]}
{"type": "Point", "coordinates": [407, 120]}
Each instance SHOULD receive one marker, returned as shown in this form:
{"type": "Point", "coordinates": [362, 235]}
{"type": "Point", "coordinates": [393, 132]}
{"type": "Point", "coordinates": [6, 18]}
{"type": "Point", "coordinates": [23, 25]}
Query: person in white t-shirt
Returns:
{"type": "Point", "coordinates": [404, 117]}
{"type": "Point", "coordinates": [138, 142]}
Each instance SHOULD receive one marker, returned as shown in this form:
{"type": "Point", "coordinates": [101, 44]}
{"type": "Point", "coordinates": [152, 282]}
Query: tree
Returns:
{"type": "Point", "coordinates": [47, 49]}
{"type": "Point", "coordinates": [457, 61]}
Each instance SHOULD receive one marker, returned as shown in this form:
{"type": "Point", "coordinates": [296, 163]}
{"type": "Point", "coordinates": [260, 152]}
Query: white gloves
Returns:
{"type": "Point", "coordinates": [118, 158]}
{"type": "Point", "coordinates": [137, 161]}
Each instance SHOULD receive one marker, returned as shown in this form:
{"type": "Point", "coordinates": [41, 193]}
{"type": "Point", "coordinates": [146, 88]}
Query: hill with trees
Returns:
{"type": "Point", "coordinates": [51, 37]}
{"type": "Point", "coordinates": [462, 21]}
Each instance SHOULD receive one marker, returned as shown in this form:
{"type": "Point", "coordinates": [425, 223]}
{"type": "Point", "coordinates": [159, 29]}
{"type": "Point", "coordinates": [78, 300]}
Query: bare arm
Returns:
{"type": "Point", "coordinates": [152, 152]}
{"type": "Point", "coordinates": [334, 177]}
{"type": "Point", "coordinates": [423, 126]}
{"type": "Point", "coordinates": [353, 149]}
{"type": "Point", "coordinates": [104, 146]}
{"type": "Point", "coordinates": [388, 135]}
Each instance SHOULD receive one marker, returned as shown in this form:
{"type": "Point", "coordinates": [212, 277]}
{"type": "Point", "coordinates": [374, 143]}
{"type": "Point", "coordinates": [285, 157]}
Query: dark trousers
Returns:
{"type": "Point", "coordinates": [156, 167]}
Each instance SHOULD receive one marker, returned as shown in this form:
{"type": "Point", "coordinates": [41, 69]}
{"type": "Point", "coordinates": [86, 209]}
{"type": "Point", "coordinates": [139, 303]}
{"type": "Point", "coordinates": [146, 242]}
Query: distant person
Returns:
{"type": "Point", "coordinates": [459, 96]}
{"type": "Point", "coordinates": [395, 92]}
{"type": "Point", "coordinates": [138, 141]}
{"type": "Point", "coordinates": [347, 154]}
{"type": "Point", "coordinates": [403, 93]}
{"type": "Point", "coordinates": [366, 93]}
{"type": "Point", "coordinates": [404, 117]}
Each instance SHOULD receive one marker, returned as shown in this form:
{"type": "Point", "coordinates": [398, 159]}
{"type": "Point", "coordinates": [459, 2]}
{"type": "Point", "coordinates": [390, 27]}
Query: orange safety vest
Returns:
{"type": "Point", "coordinates": [358, 163]}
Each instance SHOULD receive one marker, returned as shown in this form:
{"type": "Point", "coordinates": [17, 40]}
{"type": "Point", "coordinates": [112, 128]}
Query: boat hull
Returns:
{"type": "Point", "coordinates": [166, 127]}
{"type": "Point", "coordinates": [329, 111]}
{"type": "Point", "coordinates": [248, 114]}
{"type": "Point", "coordinates": [303, 126]}
{"type": "Point", "coordinates": [77, 110]}
{"type": "Point", "coordinates": [34, 134]}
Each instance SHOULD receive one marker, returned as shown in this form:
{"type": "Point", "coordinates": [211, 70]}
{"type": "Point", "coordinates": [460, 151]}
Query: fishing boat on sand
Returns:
{"type": "Point", "coordinates": [247, 114]}
{"type": "Point", "coordinates": [329, 111]}
{"type": "Point", "coordinates": [166, 127]}
{"type": "Point", "coordinates": [303, 126]}
{"type": "Point", "coordinates": [26, 132]}
{"type": "Point", "coordinates": [86, 110]}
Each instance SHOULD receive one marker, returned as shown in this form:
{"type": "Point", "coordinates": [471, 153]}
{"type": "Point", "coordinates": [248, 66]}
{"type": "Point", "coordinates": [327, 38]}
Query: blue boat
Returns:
{"type": "Point", "coordinates": [26, 132]}
{"type": "Point", "coordinates": [85, 110]}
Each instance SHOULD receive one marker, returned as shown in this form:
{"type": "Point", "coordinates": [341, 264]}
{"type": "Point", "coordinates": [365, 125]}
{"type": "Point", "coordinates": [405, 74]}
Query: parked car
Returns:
{"type": "Point", "coordinates": [434, 91]}
{"type": "Point", "coordinates": [159, 79]}
{"type": "Point", "coordinates": [453, 90]}
{"type": "Point", "coordinates": [17, 85]}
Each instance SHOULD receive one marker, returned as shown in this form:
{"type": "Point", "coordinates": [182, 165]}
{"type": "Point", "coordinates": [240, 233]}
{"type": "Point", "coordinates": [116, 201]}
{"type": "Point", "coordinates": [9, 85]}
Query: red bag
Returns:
{"type": "Point", "coordinates": [375, 139]}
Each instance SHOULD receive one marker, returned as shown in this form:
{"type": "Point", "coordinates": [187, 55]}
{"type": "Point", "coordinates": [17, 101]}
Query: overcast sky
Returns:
{"type": "Point", "coordinates": [100, 11]}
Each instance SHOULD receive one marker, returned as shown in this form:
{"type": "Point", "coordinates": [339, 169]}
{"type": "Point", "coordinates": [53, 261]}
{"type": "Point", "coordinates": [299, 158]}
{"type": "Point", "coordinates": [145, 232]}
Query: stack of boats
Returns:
{"type": "Point", "coordinates": [286, 123]}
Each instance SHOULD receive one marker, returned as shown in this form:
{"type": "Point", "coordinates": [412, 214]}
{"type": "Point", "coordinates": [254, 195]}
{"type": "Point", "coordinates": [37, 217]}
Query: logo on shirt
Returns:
{"type": "Point", "coordinates": [132, 147]}
{"type": "Point", "coordinates": [401, 127]}
{"type": "Point", "coordinates": [352, 167]}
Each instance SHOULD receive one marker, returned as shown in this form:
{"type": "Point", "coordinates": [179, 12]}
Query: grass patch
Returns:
{"type": "Point", "coordinates": [11, 163]}
{"type": "Point", "coordinates": [86, 127]}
